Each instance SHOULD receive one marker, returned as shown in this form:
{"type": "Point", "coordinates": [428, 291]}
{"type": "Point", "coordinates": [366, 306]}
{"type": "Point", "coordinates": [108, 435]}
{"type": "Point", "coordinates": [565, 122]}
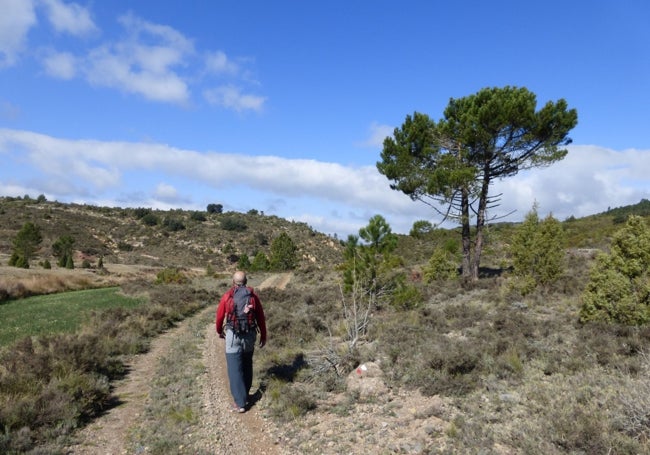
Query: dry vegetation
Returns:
{"type": "Point", "coordinates": [469, 369]}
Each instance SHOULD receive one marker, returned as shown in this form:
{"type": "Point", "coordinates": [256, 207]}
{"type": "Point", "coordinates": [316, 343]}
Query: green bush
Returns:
{"type": "Point", "coordinates": [141, 212]}
{"type": "Point", "coordinates": [124, 246]}
{"type": "Point", "coordinates": [619, 285]}
{"type": "Point", "coordinates": [244, 263]}
{"type": "Point", "coordinates": [150, 219]}
{"type": "Point", "coordinates": [537, 249]}
{"type": "Point", "coordinates": [406, 297]}
{"type": "Point", "coordinates": [260, 262]}
{"type": "Point", "coordinates": [443, 265]}
{"type": "Point", "coordinates": [171, 275]}
{"type": "Point", "coordinates": [232, 223]}
{"type": "Point", "coordinates": [173, 224]}
{"type": "Point", "coordinates": [198, 216]}
{"type": "Point", "coordinates": [283, 253]}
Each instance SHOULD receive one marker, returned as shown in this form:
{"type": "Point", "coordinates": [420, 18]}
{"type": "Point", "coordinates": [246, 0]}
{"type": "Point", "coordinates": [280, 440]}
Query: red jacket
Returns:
{"type": "Point", "coordinates": [226, 306]}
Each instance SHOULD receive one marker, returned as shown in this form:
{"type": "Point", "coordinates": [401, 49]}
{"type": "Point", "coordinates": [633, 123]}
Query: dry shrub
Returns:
{"type": "Point", "coordinates": [18, 290]}
{"type": "Point", "coordinates": [29, 283]}
{"type": "Point", "coordinates": [294, 318]}
{"type": "Point", "coordinates": [289, 401]}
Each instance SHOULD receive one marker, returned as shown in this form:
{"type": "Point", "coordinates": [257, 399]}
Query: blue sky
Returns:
{"type": "Point", "coordinates": [282, 106]}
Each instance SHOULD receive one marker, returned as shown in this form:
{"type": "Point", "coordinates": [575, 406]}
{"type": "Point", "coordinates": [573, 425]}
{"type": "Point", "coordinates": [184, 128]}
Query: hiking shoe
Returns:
{"type": "Point", "coordinates": [235, 408]}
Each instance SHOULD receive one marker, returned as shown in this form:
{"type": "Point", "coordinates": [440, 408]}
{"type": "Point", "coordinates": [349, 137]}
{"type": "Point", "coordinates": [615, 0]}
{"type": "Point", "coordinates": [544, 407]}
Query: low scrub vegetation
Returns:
{"type": "Point", "coordinates": [51, 384]}
{"type": "Point", "coordinates": [526, 359]}
{"type": "Point", "coordinates": [519, 366]}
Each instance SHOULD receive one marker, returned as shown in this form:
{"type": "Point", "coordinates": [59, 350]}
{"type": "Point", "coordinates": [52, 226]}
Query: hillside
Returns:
{"type": "Point", "coordinates": [121, 236]}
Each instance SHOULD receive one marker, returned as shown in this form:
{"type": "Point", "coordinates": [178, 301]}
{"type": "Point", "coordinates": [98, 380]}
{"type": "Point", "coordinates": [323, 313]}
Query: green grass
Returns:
{"type": "Point", "coordinates": [56, 313]}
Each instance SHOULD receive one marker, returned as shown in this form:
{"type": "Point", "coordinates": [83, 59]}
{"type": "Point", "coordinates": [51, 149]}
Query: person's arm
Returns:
{"type": "Point", "coordinates": [221, 314]}
{"type": "Point", "coordinates": [261, 320]}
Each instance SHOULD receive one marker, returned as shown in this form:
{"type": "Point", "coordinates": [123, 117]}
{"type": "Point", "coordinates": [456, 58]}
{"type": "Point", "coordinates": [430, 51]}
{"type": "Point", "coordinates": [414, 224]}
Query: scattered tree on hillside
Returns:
{"type": "Point", "coordinates": [244, 263]}
{"type": "Point", "coordinates": [538, 251]}
{"type": "Point", "coordinates": [366, 271]}
{"type": "Point", "coordinates": [490, 135]}
{"type": "Point", "coordinates": [421, 228]}
{"type": "Point", "coordinates": [619, 283]}
{"type": "Point", "coordinates": [283, 253]}
{"type": "Point", "coordinates": [214, 208]}
{"type": "Point", "coordinates": [365, 261]}
{"type": "Point", "coordinates": [25, 245]}
{"type": "Point", "coordinates": [63, 250]}
{"type": "Point", "coordinates": [260, 262]}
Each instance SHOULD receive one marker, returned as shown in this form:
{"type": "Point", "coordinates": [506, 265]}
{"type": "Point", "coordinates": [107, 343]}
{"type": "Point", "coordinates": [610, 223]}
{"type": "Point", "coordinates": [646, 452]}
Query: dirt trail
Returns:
{"type": "Point", "coordinates": [107, 434]}
{"type": "Point", "coordinates": [254, 434]}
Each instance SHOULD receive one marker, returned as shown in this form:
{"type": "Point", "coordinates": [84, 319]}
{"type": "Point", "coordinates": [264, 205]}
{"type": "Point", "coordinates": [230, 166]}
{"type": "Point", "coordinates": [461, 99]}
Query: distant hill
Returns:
{"type": "Point", "coordinates": [182, 238]}
{"type": "Point", "coordinates": [177, 238]}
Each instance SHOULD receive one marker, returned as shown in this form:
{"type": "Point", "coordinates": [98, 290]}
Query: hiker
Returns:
{"type": "Point", "coordinates": [239, 317]}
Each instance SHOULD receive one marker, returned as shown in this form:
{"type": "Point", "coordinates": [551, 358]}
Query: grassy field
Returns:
{"type": "Point", "coordinates": [56, 313]}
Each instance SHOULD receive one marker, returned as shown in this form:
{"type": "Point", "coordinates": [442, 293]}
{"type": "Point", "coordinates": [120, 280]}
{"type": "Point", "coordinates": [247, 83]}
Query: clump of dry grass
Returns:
{"type": "Point", "coordinates": [21, 283]}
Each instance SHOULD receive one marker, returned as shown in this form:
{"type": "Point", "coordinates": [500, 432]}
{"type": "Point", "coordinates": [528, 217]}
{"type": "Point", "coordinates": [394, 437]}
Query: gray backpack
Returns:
{"type": "Point", "coordinates": [241, 319]}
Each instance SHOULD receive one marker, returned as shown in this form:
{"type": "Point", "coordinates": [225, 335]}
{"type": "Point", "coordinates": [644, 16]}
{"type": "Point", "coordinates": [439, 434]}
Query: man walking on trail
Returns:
{"type": "Point", "coordinates": [239, 316]}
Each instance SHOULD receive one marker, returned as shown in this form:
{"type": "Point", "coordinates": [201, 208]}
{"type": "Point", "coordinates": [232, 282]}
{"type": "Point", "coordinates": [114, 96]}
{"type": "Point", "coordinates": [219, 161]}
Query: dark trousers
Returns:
{"type": "Point", "coordinates": [239, 361]}
{"type": "Point", "coordinates": [240, 376]}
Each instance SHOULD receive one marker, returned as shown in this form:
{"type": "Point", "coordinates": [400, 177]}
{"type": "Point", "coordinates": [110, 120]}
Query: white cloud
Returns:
{"type": "Point", "coordinates": [168, 35]}
{"type": "Point", "coordinates": [377, 134]}
{"type": "Point", "coordinates": [144, 69]}
{"type": "Point", "coordinates": [120, 68]}
{"type": "Point", "coordinates": [168, 194]}
{"type": "Point", "coordinates": [329, 196]}
{"type": "Point", "coordinates": [69, 17]}
{"type": "Point", "coordinates": [165, 191]}
{"type": "Point", "coordinates": [151, 60]}
{"type": "Point", "coordinates": [231, 97]}
{"type": "Point", "coordinates": [219, 63]}
{"type": "Point", "coordinates": [17, 18]}
{"type": "Point", "coordinates": [589, 180]}
{"type": "Point", "coordinates": [61, 65]}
